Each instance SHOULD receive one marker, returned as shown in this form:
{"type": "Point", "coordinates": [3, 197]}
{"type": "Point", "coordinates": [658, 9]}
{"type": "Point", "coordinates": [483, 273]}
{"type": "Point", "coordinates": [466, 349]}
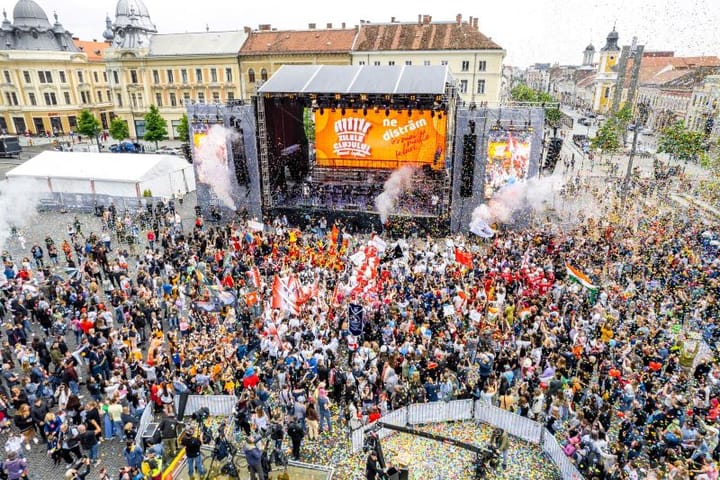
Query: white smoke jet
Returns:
{"type": "Point", "coordinates": [395, 185]}
{"type": "Point", "coordinates": [213, 163]}
{"type": "Point", "coordinates": [536, 194]}
{"type": "Point", "coordinates": [18, 205]}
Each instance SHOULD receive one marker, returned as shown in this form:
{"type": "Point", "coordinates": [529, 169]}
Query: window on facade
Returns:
{"type": "Point", "coordinates": [33, 100]}
{"type": "Point", "coordinates": [251, 76]}
{"type": "Point", "coordinates": [391, 62]}
{"type": "Point", "coordinates": [158, 99]}
{"type": "Point", "coordinates": [184, 76]}
{"type": "Point", "coordinates": [481, 86]}
{"type": "Point", "coordinates": [263, 75]}
{"type": "Point", "coordinates": [231, 96]}
{"type": "Point", "coordinates": [216, 97]}
{"type": "Point", "coordinates": [80, 77]}
{"type": "Point", "coordinates": [41, 76]}
{"type": "Point", "coordinates": [156, 76]}
{"type": "Point", "coordinates": [201, 97]}
{"type": "Point", "coordinates": [107, 94]}
{"type": "Point", "coordinates": [95, 77]}
{"type": "Point", "coordinates": [408, 62]}
{"type": "Point", "coordinates": [83, 97]}
{"type": "Point", "coordinates": [213, 75]}
{"type": "Point", "coordinates": [133, 76]}
{"type": "Point", "coordinates": [228, 75]}
{"type": "Point", "coordinates": [115, 76]}
{"type": "Point", "coordinates": [26, 75]}
{"type": "Point", "coordinates": [170, 76]}
{"type": "Point", "coordinates": [119, 100]}
{"type": "Point", "coordinates": [15, 99]}
{"type": "Point", "coordinates": [186, 98]}
{"type": "Point", "coordinates": [465, 65]}
{"type": "Point", "coordinates": [8, 98]}
{"type": "Point", "coordinates": [443, 62]}
{"type": "Point", "coordinates": [482, 66]}
{"type": "Point", "coordinates": [105, 77]}
{"type": "Point", "coordinates": [67, 98]}
{"type": "Point", "coordinates": [99, 96]}
{"type": "Point", "coordinates": [173, 100]}
{"type": "Point", "coordinates": [198, 75]}
{"type": "Point", "coordinates": [72, 121]}
{"type": "Point", "coordinates": [8, 78]}
{"type": "Point", "coordinates": [463, 86]}
{"type": "Point", "coordinates": [50, 98]}
{"type": "Point", "coordinates": [426, 63]}
{"type": "Point", "coordinates": [376, 63]}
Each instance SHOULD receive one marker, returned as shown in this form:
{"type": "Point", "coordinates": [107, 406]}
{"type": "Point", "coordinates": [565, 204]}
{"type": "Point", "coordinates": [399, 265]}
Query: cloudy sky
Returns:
{"type": "Point", "coordinates": [529, 30]}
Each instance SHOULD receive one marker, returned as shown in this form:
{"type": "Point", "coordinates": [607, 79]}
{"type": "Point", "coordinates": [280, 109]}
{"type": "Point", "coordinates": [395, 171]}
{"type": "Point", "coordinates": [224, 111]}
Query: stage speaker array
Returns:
{"type": "Point", "coordinates": [553, 153]}
{"type": "Point", "coordinates": [467, 172]}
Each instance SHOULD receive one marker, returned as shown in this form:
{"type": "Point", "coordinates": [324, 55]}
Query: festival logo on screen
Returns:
{"type": "Point", "coordinates": [351, 134]}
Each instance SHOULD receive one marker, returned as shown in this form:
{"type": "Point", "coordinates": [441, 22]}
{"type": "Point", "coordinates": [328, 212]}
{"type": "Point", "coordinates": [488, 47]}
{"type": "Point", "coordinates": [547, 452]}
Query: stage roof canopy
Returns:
{"type": "Point", "coordinates": [358, 79]}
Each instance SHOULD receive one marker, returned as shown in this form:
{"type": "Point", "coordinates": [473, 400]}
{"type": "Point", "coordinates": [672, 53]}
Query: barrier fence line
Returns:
{"type": "Point", "coordinates": [218, 405]}
{"type": "Point", "coordinates": [438, 412]}
{"type": "Point", "coordinates": [145, 419]}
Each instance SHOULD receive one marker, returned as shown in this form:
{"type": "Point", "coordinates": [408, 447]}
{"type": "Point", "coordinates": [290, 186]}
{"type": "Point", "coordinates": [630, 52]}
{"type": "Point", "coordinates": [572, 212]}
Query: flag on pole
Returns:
{"type": "Point", "coordinates": [463, 258]}
{"type": "Point", "coordinates": [255, 279]}
{"type": "Point", "coordinates": [578, 276]}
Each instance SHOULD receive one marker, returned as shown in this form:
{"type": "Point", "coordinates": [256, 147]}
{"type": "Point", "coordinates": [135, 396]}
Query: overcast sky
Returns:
{"type": "Point", "coordinates": [529, 30]}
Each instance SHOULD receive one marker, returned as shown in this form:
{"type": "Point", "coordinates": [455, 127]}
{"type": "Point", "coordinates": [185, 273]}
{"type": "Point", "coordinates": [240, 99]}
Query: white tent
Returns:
{"type": "Point", "coordinates": [105, 174]}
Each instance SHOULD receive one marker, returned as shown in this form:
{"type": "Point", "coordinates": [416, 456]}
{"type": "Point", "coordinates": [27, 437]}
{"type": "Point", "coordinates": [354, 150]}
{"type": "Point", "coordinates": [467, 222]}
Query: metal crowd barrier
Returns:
{"type": "Point", "coordinates": [145, 419]}
{"type": "Point", "coordinates": [218, 405]}
{"type": "Point", "coordinates": [437, 412]}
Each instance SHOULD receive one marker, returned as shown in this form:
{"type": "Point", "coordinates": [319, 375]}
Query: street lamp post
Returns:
{"type": "Point", "coordinates": [640, 119]}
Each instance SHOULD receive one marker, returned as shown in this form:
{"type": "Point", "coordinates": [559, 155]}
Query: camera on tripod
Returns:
{"type": "Point", "coordinates": [201, 414]}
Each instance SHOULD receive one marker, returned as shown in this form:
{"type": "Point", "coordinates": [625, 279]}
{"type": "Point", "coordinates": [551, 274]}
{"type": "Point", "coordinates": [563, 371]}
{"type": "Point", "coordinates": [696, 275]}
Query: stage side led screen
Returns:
{"type": "Point", "coordinates": [380, 139]}
{"type": "Point", "coordinates": [508, 158]}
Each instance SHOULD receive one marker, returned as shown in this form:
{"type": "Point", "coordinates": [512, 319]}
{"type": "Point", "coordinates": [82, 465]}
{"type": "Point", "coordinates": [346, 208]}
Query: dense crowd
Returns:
{"type": "Point", "coordinates": [614, 369]}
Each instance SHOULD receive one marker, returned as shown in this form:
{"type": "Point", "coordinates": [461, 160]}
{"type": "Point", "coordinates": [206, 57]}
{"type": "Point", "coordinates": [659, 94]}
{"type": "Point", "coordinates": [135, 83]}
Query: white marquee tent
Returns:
{"type": "Point", "coordinates": [115, 175]}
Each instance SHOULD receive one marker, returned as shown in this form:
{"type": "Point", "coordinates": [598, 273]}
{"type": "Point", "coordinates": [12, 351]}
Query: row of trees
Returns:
{"type": "Point", "coordinates": [523, 93]}
{"type": "Point", "coordinates": [155, 127]}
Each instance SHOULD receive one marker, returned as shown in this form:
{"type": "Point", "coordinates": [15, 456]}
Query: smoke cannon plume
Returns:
{"type": "Point", "coordinates": [18, 202]}
{"type": "Point", "coordinates": [396, 185]}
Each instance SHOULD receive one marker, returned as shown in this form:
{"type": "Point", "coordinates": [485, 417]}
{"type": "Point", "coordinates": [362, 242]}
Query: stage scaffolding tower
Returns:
{"type": "Point", "coordinates": [264, 157]}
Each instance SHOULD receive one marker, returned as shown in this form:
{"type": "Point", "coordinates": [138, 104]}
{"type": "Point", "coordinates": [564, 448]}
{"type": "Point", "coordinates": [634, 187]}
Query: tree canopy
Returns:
{"type": "Point", "coordinates": [155, 126]}
{"type": "Point", "coordinates": [183, 129]}
{"type": "Point", "coordinates": [88, 125]}
{"type": "Point", "coordinates": [119, 129]}
{"type": "Point", "coordinates": [523, 93]}
{"type": "Point", "coordinates": [681, 143]}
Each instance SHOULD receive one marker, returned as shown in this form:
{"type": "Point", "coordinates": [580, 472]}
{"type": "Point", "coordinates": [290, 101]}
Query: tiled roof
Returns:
{"type": "Point", "coordinates": [422, 36]}
{"type": "Point", "coordinates": [197, 43]}
{"type": "Point", "coordinates": [661, 70]}
{"type": "Point", "coordinates": [298, 41]}
{"type": "Point", "coordinates": [95, 50]}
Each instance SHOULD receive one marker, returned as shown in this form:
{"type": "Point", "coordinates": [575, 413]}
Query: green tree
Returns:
{"type": "Point", "coordinates": [607, 139]}
{"type": "Point", "coordinates": [523, 93]}
{"type": "Point", "coordinates": [88, 125]}
{"type": "Point", "coordinates": [155, 126]}
{"type": "Point", "coordinates": [119, 129]}
{"type": "Point", "coordinates": [682, 143]}
{"type": "Point", "coordinates": [183, 129]}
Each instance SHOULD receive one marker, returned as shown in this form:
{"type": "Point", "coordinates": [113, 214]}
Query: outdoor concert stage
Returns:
{"type": "Point", "coordinates": [329, 140]}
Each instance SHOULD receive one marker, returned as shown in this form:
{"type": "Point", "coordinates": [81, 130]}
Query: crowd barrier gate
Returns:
{"type": "Point", "coordinates": [480, 411]}
{"type": "Point", "coordinates": [145, 419]}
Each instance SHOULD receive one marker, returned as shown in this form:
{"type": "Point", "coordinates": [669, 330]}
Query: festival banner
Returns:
{"type": "Point", "coordinates": [508, 158]}
{"type": "Point", "coordinates": [380, 139]}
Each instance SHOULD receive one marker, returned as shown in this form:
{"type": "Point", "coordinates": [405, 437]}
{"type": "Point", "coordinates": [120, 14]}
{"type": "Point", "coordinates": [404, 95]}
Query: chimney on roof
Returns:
{"type": "Point", "coordinates": [420, 18]}
{"type": "Point", "coordinates": [311, 26]}
{"type": "Point", "coordinates": [264, 27]}
{"type": "Point", "coordinates": [247, 30]}
{"type": "Point", "coordinates": [426, 19]}
{"type": "Point", "coordinates": [343, 25]}
{"type": "Point", "coordinates": [470, 20]}
{"type": "Point", "coordinates": [392, 19]}
{"type": "Point", "coordinates": [329, 26]}
{"type": "Point", "coordinates": [475, 23]}
{"type": "Point", "coordinates": [458, 18]}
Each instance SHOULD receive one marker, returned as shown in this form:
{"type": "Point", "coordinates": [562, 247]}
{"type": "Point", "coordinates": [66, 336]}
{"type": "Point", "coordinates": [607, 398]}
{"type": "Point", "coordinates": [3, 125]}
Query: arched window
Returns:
{"type": "Point", "coordinates": [251, 76]}
{"type": "Point", "coordinates": [263, 75]}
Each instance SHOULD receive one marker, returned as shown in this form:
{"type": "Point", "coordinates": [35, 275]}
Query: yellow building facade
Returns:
{"type": "Point", "coordinates": [606, 76]}
{"type": "Point", "coordinates": [48, 76]}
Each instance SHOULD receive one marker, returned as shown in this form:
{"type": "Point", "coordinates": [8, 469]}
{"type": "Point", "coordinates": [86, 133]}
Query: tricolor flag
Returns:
{"type": "Point", "coordinates": [285, 295]}
{"type": "Point", "coordinates": [578, 276]}
{"type": "Point", "coordinates": [255, 278]}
